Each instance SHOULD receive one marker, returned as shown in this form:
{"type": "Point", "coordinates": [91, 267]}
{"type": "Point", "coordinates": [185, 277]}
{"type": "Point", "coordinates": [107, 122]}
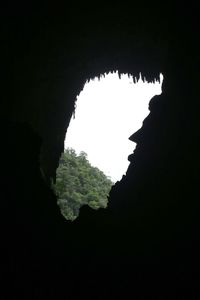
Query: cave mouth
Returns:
{"type": "Point", "coordinates": [109, 109]}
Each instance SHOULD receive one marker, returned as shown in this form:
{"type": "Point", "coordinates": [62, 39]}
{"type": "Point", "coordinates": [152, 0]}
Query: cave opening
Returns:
{"type": "Point", "coordinates": [109, 109]}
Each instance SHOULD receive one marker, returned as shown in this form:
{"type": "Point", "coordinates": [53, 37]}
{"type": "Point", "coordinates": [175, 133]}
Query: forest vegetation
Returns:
{"type": "Point", "coordinates": [78, 183]}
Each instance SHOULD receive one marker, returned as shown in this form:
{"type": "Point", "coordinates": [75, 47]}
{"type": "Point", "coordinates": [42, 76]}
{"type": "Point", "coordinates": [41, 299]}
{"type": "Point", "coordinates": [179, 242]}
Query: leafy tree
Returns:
{"type": "Point", "coordinates": [78, 183]}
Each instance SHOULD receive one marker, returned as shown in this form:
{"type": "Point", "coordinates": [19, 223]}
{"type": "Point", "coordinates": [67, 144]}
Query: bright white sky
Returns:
{"type": "Point", "coordinates": [108, 112]}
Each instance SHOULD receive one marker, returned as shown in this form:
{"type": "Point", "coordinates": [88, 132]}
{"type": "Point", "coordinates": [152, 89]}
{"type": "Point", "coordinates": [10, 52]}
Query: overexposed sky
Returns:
{"type": "Point", "coordinates": [108, 112]}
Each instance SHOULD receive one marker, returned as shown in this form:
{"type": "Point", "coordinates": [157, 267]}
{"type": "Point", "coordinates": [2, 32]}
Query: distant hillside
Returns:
{"type": "Point", "coordinates": [78, 183]}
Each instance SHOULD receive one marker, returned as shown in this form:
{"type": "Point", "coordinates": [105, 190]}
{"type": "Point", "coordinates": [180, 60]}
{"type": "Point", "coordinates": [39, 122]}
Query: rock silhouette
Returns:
{"type": "Point", "coordinates": [146, 244]}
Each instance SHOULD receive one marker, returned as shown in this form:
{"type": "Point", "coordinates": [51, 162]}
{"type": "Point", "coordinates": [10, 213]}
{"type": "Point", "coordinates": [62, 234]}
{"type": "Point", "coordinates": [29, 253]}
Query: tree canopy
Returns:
{"type": "Point", "coordinates": [78, 183]}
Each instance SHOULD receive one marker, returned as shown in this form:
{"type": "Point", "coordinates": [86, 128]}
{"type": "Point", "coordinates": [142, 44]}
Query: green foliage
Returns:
{"type": "Point", "coordinates": [78, 184]}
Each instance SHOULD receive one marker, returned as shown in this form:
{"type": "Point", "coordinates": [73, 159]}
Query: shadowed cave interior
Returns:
{"type": "Point", "coordinates": [146, 244]}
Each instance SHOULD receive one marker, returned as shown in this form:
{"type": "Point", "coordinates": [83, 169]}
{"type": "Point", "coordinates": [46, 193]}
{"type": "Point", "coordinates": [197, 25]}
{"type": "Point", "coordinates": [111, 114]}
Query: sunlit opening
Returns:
{"type": "Point", "coordinates": [108, 111]}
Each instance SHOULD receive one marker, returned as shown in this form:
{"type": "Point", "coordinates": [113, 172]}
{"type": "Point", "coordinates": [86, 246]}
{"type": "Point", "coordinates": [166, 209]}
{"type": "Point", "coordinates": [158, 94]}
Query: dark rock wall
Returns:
{"type": "Point", "coordinates": [146, 242]}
